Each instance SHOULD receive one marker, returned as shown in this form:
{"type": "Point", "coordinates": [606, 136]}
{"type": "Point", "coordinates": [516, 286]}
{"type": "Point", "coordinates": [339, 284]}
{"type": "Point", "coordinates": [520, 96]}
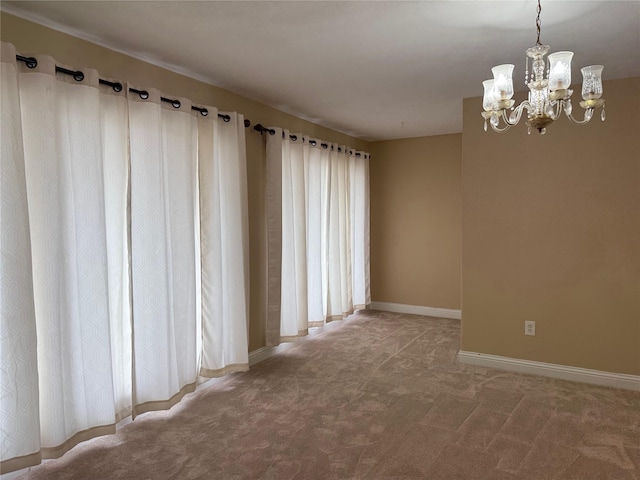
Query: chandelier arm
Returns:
{"type": "Point", "coordinates": [501, 130]}
{"type": "Point", "coordinates": [518, 113]}
{"type": "Point", "coordinates": [505, 119]}
{"type": "Point", "coordinates": [588, 114]}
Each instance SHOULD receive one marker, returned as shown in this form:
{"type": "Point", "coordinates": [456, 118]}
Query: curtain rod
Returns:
{"type": "Point", "coordinates": [32, 62]}
{"type": "Point", "coordinates": [77, 75]}
{"type": "Point", "coordinates": [262, 129]}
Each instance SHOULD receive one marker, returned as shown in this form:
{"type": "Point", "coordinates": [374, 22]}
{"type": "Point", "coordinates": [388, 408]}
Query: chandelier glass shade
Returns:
{"type": "Point", "coordinates": [549, 96]}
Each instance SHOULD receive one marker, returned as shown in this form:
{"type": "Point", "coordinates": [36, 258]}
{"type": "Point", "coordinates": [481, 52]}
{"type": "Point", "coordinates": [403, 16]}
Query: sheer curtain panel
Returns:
{"type": "Point", "coordinates": [359, 210]}
{"type": "Point", "coordinates": [115, 144]}
{"type": "Point", "coordinates": [225, 244]}
{"type": "Point", "coordinates": [64, 178]}
{"type": "Point", "coordinates": [164, 148]}
{"type": "Point", "coordinates": [124, 244]}
{"type": "Point", "coordinates": [19, 411]}
{"type": "Point", "coordinates": [318, 233]}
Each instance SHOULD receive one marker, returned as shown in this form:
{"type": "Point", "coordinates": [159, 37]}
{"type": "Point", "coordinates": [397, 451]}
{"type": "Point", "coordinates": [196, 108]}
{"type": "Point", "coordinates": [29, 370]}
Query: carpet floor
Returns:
{"type": "Point", "coordinates": [377, 396]}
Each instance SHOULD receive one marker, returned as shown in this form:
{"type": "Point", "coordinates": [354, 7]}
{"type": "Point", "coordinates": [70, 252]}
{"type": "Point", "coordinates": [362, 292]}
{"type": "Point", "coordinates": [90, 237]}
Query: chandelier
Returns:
{"type": "Point", "coordinates": [548, 97]}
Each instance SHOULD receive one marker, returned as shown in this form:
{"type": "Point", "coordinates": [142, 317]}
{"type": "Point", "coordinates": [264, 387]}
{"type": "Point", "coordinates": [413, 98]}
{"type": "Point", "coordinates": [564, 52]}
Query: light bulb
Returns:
{"type": "Point", "coordinates": [592, 82]}
{"type": "Point", "coordinates": [560, 70]}
{"type": "Point", "coordinates": [503, 81]}
{"type": "Point", "coordinates": [489, 97]}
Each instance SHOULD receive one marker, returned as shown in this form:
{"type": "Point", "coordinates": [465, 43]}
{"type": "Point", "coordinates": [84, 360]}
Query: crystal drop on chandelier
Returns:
{"type": "Point", "coordinates": [568, 107]}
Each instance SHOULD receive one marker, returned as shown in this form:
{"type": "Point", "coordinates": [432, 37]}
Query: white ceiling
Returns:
{"type": "Point", "coordinates": [372, 69]}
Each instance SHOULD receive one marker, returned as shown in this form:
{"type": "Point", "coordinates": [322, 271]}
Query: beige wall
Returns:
{"type": "Point", "coordinates": [30, 38]}
{"type": "Point", "coordinates": [550, 225]}
{"type": "Point", "coordinates": [551, 233]}
{"type": "Point", "coordinates": [415, 221]}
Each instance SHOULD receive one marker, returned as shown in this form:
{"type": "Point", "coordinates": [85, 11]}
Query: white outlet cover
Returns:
{"type": "Point", "coordinates": [530, 328]}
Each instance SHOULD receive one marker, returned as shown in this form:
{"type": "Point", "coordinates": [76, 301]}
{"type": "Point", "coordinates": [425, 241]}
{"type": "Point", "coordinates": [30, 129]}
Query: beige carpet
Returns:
{"type": "Point", "coordinates": [379, 395]}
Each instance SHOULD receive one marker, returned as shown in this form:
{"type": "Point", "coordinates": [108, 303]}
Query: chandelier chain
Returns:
{"type": "Point", "coordinates": [538, 23]}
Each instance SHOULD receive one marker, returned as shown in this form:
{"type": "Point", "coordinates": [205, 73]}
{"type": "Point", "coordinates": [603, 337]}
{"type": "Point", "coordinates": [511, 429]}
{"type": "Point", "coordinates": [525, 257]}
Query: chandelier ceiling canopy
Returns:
{"type": "Point", "coordinates": [549, 95]}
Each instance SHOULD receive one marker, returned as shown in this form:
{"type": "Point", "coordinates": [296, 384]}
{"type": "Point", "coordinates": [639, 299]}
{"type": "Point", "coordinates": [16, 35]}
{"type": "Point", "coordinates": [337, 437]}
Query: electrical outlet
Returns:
{"type": "Point", "coordinates": [530, 328]}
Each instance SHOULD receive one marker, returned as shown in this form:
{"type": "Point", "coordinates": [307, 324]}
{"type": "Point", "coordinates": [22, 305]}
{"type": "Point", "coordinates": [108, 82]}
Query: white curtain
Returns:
{"type": "Point", "coordinates": [317, 203]}
{"type": "Point", "coordinates": [164, 148]}
{"type": "Point", "coordinates": [359, 204]}
{"type": "Point", "coordinates": [115, 147]}
{"type": "Point", "coordinates": [318, 233]}
{"type": "Point", "coordinates": [64, 392]}
{"type": "Point", "coordinates": [225, 244]}
{"type": "Point", "coordinates": [20, 421]}
{"type": "Point", "coordinates": [101, 286]}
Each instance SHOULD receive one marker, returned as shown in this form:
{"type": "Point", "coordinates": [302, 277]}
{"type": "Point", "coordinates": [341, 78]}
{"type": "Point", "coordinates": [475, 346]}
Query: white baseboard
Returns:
{"type": "Point", "coordinates": [415, 310]}
{"type": "Point", "coordinates": [260, 355]}
{"type": "Point", "coordinates": [563, 372]}
{"type": "Point", "coordinates": [263, 353]}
